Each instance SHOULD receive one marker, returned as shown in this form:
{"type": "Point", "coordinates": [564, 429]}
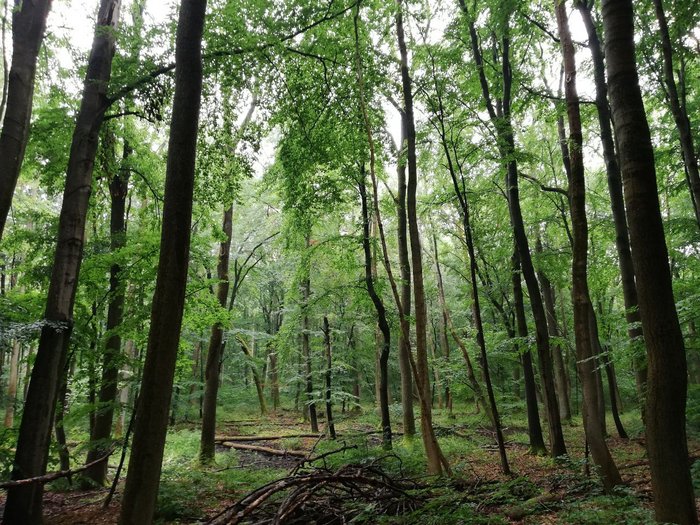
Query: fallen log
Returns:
{"type": "Point", "coordinates": [264, 450]}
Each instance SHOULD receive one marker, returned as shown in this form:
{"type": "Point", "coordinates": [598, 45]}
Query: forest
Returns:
{"type": "Point", "coordinates": [349, 261]}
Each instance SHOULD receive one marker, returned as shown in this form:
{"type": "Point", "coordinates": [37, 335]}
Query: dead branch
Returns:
{"type": "Point", "coordinates": [264, 450]}
{"type": "Point", "coordinates": [53, 475]}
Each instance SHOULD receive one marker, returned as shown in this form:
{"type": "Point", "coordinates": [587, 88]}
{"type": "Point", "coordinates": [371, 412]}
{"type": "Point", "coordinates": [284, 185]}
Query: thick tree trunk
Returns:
{"type": "Point", "coordinates": [617, 204]}
{"type": "Point", "coordinates": [534, 428]}
{"type": "Point", "coordinates": [28, 25]}
{"type": "Point", "coordinates": [381, 320]}
{"type": "Point", "coordinates": [667, 388]}
{"type": "Point", "coordinates": [435, 459]}
{"type": "Point", "coordinates": [104, 412]}
{"type": "Point", "coordinates": [329, 377]}
{"type": "Point", "coordinates": [24, 503]}
{"type": "Point", "coordinates": [138, 501]}
{"type": "Point", "coordinates": [583, 318]}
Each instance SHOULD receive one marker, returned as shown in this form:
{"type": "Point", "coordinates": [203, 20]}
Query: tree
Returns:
{"type": "Point", "coordinates": [667, 381]}
{"type": "Point", "coordinates": [436, 460]}
{"type": "Point", "coordinates": [28, 25]}
{"type": "Point", "coordinates": [141, 488]}
{"type": "Point", "coordinates": [583, 311]}
{"type": "Point", "coordinates": [24, 502]}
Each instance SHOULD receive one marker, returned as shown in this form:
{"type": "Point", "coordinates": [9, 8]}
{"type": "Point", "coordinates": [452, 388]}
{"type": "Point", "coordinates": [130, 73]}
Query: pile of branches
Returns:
{"type": "Point", "coordinates": [314, 493]}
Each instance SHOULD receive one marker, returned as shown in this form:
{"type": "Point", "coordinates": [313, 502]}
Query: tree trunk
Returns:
{"type": "Point", "coordinates": [28, 26]}
{"type": "Point", "coordinates": [583, 318]}
{"type": "Point", "coordinates": [12, 385]}
{"type": "Point", "coordinates": [329, 364]}
{"type": "Point", "coordinates": [435, 459]}
{"type": "Point", "coordinates": [679, 111]}
{"type": "Point", "coordinates": [479, 327]}
{"type": "Point", "coordinates": [138, 501]}
{"type": "Point", "coordinates": [216, 346]}
{"type": "Point", "coordinates": [257, 379]}
{"type": "Point", "coordinates": [305, 344]}
{"type": "Point", "coordinates": [381, 319]}
{"type": "Point", "coordinates": [534, 428]}
{"type": "Point", "coordinates": [59, 428]}
{"type": "Point", "coordinates": [501, 121]}
{"type": "Point", "coordinates": [104, 413]}
{"type": "Point", "coordinates": [617, 204]}
{"type": "Point", "coordinates": [24, 503]}
{"type": "Point", "coordinates": [667, 387]}
{"type": "Point", "coordinates": [560, 378]}
{"type": "Point", "coordinates": [409, 422]}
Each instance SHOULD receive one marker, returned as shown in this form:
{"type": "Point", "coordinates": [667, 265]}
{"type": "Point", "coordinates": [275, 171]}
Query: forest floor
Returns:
{"type": "Point", "coordinates": [359, 482]}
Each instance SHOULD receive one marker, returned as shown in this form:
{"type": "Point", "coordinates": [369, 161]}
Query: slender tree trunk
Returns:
{"type": "Point", "coordinates": [59, 428]}
{"type": "Point", "coordinates": [381, 319]}
{"type": "Point", "coordinates": [409, 422]}
{"type": "Point", "coordinates": [24, 502]}
{"type": "Point", "coordinates": [12, 384]}
{"type": "Point", "coordinates": [479, 327]}
{"type": "Point", "coordinates": [305, 343]}
{"type": "Point", "coordinates": [138, 501]}
{"type": "Point", "coordinates": [257, 379]}
{"type": "Point", "coordinates": [500, 117]}
{"type": "Point", "coordinates": [612, 388]}
{"type": "Point", "coordinates": [583, 310]}
{"type": "Point", "coordinates": [329, 364]}
{"type": "Point", "coordinates": [216, 346]}
{"type": "Point", "coordinates": [679, 111]}
{"type": "Point", "coordinates": [274, 378]}
{"type": "Point", "coordinates": [435, 459]}
{"type": "Point", "coordinates": [667, 388]}
{"type": "Point", "coordinates": [534, 428]}
{"type": "Point", "coordinates": [104, 412]}
{"type": "Point", "coordinates": [28, 26]}
{"type": "Point", "coordinates": [560, 377]}
{"type": "Point", "coordinates": [617, 204]}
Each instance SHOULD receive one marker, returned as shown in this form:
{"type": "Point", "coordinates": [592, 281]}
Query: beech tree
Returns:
{"type": "Point", "coordinates": [28, 25]}
{"type": "Point", "coordinates": [24, 503]}
{"type": "Point", "coordinates": [141, 488]}
{"type": "Point", "coordinates": [667, 381]}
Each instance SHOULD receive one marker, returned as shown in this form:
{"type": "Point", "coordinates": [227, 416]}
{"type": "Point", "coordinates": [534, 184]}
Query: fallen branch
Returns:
{"type": "Point", "coordinates": [53, 475]}
{"type": "Point", "coordinates": [265, 438]}
{"type": "Point", "coordinates": [265, 450]}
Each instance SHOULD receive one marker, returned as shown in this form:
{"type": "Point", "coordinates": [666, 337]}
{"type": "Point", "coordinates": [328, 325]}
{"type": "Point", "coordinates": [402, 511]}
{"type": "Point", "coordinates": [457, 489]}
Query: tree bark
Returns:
{"type": "Point", "coordinates": [104, 412]}
{"type": "Point", "coordinates": [409, 421]}
{"type": "Point", "coordinates": [28, 26]}
{"type": "Point", "coordinates": [617, 205]}
{"type": "Point", "coordinates": [24, 503]}
{"type": "Point", "coordinates": [12, 381]}
{"type": "Point", "coordinates": [381, 319]}
{"type": "Point", "coordinates": [138, 501]}
{"type": "Point", "coordinates": [435, 459]}
{"type": "Point", "coordinates": [329, 374]}
{"type": "Point", "coordinates": [560, 378]}
{"type": "Point", "coordinates": [534, 428]}
{"type": "Point", "coordinates": [305, 343]}
{"type": "Point", "coordinates": [667, 387]}
{"type": "Point", "coordinates": [679, 111]}
{"type": "Point", "coordinates": [583, 310]}
{"type": "Point", "coordinates": [500, 117]}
